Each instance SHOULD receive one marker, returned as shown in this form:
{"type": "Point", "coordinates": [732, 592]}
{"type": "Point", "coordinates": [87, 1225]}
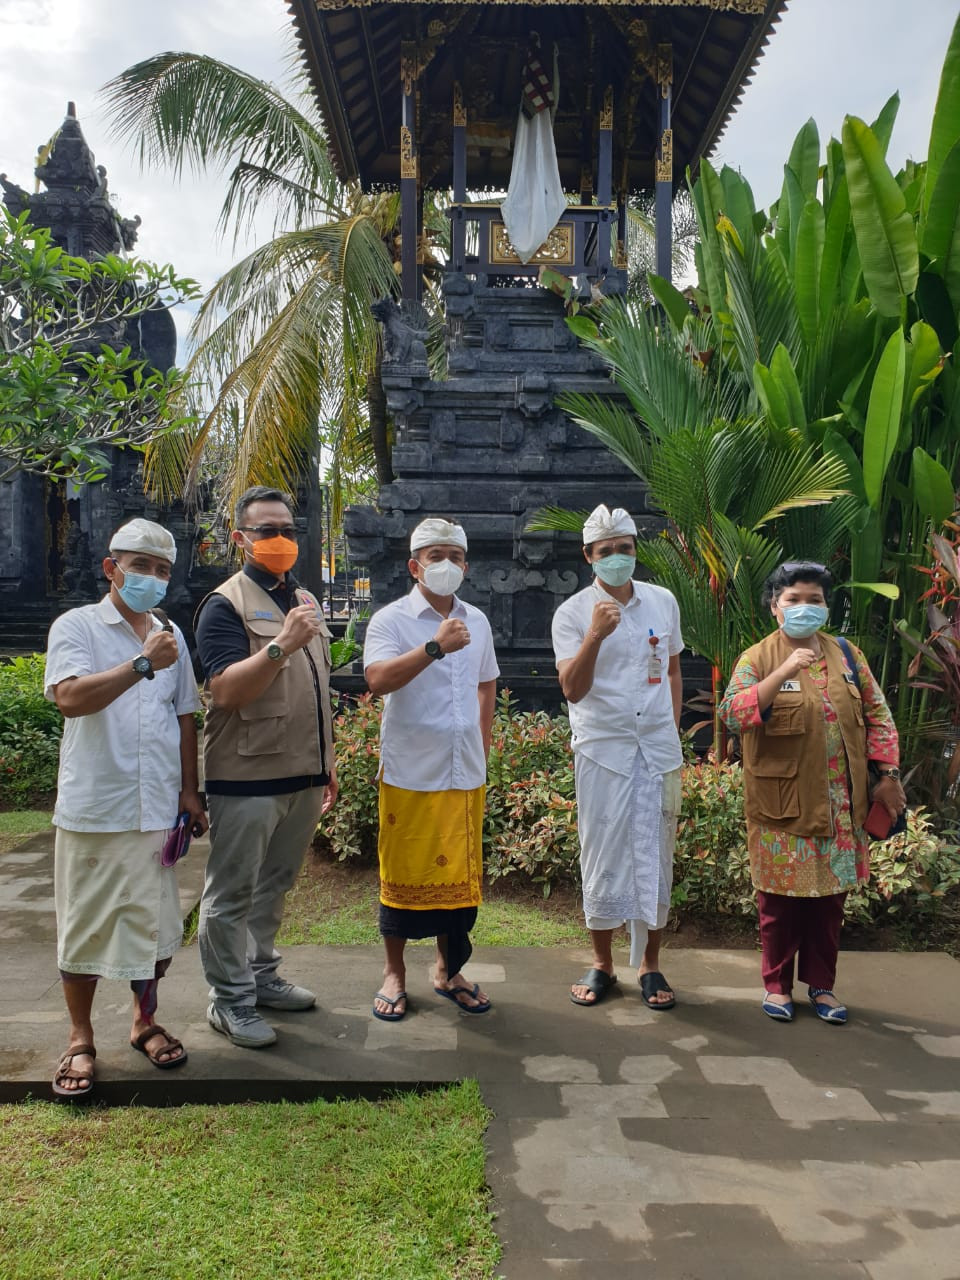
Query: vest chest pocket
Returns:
{"type": "Point", "coordinates": [776, 787]}
{"type": "Point", "coordinates": [263, 724]}
{"type": "Point", "coordinates": [786, 715]}
{"type": "Point", "coordinates": [856, 703]}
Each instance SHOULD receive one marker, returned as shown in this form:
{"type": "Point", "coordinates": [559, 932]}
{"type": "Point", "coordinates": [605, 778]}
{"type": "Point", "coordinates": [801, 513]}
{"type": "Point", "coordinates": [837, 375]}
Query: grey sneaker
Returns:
{"type": "Point", "coordinates": [241, 1024]}
{"type": "Point", "coordinates": [278, 994]}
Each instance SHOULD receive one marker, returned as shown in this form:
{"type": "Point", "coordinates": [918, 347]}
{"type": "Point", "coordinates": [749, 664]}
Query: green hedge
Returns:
{"type": "Point", "coordinates": [530, 826]}
{"type": "Point", "coordinates": [30, 729]}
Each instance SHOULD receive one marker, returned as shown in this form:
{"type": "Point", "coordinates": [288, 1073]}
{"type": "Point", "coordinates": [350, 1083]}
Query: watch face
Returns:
{"type": "Point", "coordinates": [274, 651]}
{"type": "Point", "coordinates": [433, 649]}
{"type": "Point", "coordinates": [143, 667]}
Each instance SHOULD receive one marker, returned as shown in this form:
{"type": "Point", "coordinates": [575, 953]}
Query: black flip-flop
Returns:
{"type": "Point", "coordinates": [393, 1001]}
{"type": "Point", "coordinates": [597, 981]}
{"type": "Point", "coordinates": [650, 984]}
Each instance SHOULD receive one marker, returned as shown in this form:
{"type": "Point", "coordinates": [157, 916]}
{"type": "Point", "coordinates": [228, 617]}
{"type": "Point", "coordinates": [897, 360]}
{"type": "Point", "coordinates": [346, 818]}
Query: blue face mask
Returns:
{"type": "Point", "coordinates": [615, 571]}
{"type": "Point", "coordinates": [140, 591]}
{"type": "Point", "coordinates": [802, 620]}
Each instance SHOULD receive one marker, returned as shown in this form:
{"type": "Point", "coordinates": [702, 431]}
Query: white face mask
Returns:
{"type": "Point", "coordinates": [442, 577]}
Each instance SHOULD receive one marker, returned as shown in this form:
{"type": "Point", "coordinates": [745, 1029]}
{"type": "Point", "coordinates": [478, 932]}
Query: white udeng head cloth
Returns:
{"type": "Point", "coordinates": [603, 523]}
{"type": "Point", "coordinates": [434, 532]}
{"type": "Point", "coordinates": [145, 535]}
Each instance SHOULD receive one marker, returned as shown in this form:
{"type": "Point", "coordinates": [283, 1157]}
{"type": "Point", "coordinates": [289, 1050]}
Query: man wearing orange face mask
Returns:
{"type": "Point", "coordinates": [268, 762]}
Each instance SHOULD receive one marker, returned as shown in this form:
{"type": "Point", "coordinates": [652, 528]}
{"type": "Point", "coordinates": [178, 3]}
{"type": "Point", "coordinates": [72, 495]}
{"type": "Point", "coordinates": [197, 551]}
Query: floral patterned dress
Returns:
{"type": "Point", "coordinates": [814, 866]}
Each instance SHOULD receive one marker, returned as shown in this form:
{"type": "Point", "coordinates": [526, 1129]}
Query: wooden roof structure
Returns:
{"type": "Point", "coordinates": [358, 54]}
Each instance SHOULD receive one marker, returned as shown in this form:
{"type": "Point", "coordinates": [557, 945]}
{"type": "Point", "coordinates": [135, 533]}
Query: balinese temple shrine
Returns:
{"type": "Point", "coordinates": [533, 125]}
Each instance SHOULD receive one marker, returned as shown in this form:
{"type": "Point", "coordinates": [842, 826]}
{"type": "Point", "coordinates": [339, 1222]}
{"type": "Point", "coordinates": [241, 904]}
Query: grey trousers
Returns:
{"type": "Point", "coordinates": [257, 847]}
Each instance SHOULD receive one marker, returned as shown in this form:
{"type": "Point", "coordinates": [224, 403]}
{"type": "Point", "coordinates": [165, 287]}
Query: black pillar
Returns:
{"type": "Point", "coordinates": [409, 230]}
{"type": "Point", "coordinates": [664, 166]}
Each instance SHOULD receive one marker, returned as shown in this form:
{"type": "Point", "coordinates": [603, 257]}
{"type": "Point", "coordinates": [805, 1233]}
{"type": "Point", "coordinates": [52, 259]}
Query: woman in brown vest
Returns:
{"type": "Point", "coordinates": [811, 718]}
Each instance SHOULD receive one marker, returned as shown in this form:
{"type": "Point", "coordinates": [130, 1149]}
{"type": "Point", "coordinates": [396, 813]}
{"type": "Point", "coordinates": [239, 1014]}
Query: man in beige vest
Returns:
{"type": "Point", "coordinates": [268, 763]}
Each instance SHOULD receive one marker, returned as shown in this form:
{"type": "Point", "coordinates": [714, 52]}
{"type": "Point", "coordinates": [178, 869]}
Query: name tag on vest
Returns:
{"type": "Point", "coordinates": [263, 613]}
{"type": "Point", "coordinates": [790, 686]}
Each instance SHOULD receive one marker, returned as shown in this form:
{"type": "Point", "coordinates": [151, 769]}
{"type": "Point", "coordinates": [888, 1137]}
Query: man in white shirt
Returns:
{"type": "Point", "coordinates": [128, 767]}
{"type": "Point", "coordinates": [617, 645]}
{"type": "Point", "coordinates": [430, 655]}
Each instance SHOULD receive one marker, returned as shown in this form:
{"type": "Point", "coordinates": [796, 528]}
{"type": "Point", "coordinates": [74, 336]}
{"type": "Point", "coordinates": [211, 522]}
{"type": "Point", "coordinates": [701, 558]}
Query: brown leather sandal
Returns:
{"type": "Point", "coordinates": [66, 1071]}
{"type": "Point", "coordinates": [140, 1044]}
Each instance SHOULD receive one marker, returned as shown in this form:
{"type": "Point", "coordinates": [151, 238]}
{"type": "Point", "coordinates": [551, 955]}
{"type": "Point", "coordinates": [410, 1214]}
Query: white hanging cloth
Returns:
{"type": "Point", "coordinates": [535, 198]}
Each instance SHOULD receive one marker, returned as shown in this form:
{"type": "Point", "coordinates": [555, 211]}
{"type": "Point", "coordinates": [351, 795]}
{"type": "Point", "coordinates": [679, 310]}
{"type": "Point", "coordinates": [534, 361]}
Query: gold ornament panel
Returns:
{"type": "Point", "coordinates": [557, 249]}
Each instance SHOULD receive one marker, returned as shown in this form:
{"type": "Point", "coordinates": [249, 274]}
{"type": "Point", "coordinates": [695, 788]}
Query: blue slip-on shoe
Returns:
{"type": "Point", "coordinates": [778, 1012]}
{"type": "Point", "coordinates": [827, 1012]}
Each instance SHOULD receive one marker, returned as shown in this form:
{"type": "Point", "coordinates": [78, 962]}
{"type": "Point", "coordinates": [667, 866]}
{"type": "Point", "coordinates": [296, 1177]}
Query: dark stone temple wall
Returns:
{"type": "Point", "coordinates": [53, 535]}
{"type": "Point", "coordinates": [489, 447]}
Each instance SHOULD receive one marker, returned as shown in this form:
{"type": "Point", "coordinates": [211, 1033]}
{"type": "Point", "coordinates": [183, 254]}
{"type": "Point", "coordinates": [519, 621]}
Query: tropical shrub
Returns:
{"type": "Point", "coordinates": [30, 731]}
{"type": "Point", "coordinates": [530, 824]}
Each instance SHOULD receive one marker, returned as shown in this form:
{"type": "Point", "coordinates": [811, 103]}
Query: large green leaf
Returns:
{"type": "Point", "coordinates": [883, 417]}
{"type": "Point", "coordinates": [883, 125]}
{"type": "Point", "coordinates": [886, 237]}
{"type": "Point", "coordinates": [804, 161]}
{"type": "Point", "coordinates": [671, 299]}
{"type": "Point", "coordinates": [738, 203]}
{"type": "Point", "coordinates": [808, 259]}
{"type": "Point", "coordinates": [945, 129]}
{"type": "Point", "coordinates": [836, 242]}
{"type": "Point", "coordinates": [707, 196]}
{"type": "Point", "coordinates": [940, 240]}
{"type": "Point", "coordinates": [933, 489]}
{"type": "Point", "coordinates": [924, 362]}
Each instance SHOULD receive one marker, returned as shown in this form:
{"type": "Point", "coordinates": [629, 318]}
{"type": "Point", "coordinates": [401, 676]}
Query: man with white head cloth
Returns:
{"type": "Point", "coordinates": [617, 645]}
{"type": "Point", "coordinates": [430, 656]}
{"type": "Point", "coordinates": [123, 679]}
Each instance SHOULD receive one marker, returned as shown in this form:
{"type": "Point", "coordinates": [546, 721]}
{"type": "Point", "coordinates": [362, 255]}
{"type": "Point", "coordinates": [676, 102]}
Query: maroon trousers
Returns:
{"type": "Point", "coordinates": [808, 926]}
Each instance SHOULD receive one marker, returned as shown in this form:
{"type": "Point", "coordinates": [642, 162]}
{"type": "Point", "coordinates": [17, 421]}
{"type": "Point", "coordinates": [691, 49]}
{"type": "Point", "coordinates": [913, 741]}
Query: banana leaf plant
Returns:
{"type": "Point", "coordinates": [836, 312]}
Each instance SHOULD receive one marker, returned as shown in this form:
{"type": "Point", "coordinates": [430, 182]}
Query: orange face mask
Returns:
{"type": "Point", "coordinates": [276, 555]}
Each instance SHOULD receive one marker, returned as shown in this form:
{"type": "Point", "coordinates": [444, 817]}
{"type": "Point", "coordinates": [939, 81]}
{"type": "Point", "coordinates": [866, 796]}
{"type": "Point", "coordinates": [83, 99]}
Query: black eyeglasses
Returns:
{"type": "Point", "coordinates": [269, 530]}
{"type": "Point", "coordinates": [796, 566]}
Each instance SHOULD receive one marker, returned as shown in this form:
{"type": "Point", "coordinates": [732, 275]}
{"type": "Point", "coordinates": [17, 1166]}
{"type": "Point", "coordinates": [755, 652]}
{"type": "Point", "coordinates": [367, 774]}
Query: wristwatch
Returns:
{"type": "Point", "coordinates": [891, 772]}
{"type": "Point", "coordinates": [143, 666]}
{"type": "Point", "coordinates": [433, 649]}
{"type": "Point", "coordinates": [274, 652]}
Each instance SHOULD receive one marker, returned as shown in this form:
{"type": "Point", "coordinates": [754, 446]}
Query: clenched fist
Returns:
{"type": "Point", "coordinates": [606, 618]}
{"type": "Point", "coordinates": [161, 648]}
{"type": "Point", "coordinates": [798, 661]}
{"type": "Point", "coordinates": [300, 626]}
{"type": "Point", "coordinates": [452, 634]}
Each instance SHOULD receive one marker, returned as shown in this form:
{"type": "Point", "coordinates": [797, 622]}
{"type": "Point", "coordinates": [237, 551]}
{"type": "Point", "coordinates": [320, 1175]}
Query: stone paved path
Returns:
{"type": "Point", "coordinates": [702, 1143]}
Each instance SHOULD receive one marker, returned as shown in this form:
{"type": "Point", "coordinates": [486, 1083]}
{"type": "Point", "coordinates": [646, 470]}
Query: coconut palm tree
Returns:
{"type": "Point", "coordinates": [285, 340]}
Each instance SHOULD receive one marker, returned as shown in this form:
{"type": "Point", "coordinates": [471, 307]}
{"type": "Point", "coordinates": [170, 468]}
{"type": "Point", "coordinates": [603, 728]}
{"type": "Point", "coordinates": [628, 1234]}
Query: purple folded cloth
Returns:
{"type": "Point", "coordinates": [177, 842]}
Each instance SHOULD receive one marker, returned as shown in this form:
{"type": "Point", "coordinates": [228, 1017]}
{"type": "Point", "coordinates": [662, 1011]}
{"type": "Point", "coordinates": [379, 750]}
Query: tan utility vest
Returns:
{"type": "Point", "coordinates": [785, 759]}
{"type": "Point", "coordinates": [277, 735]}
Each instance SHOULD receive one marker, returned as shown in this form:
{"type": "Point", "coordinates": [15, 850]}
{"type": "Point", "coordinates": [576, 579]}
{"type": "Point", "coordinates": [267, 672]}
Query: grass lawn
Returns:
{"type": "Point", "coordinates": [336, 903]}
{"type": "Point", "coordinates": [15, 825]}
{"type": "Point", "coordinates": [351, 1190]}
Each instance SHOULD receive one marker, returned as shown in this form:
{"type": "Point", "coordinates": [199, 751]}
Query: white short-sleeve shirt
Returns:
{"type": "Point", "coordinates": [119, 767]}
{"type": "Point", "coordinates": [623, 712]}
{"type": "Point", "coordinates": [430, 735]}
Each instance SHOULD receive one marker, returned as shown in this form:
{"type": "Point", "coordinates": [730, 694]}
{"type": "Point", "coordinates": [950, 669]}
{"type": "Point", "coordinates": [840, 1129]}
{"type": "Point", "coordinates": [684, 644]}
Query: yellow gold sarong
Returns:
{"type": "Point", "coordinates": [430, 847]}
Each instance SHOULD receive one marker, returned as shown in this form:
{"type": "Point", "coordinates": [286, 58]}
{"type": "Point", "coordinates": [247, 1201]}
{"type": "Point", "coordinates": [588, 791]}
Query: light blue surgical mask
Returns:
{"type": "Point", "coordinates": [802, 620]}
{"type": "Point", "coordinates": [140, 592]}
{"type": "Point", "coordinates": [616, 570]}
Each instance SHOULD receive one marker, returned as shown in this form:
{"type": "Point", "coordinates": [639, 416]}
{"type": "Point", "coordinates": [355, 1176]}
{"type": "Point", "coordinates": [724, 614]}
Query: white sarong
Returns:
{"type": "Point", "coordinates": [627, 825]}
{"type": "Point", "coordinates": [118, 909]}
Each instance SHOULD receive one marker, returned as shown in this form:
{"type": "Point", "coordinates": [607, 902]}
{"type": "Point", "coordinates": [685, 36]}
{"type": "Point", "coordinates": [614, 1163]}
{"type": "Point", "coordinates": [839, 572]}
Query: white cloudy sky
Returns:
{"type": "Point", "coordinates": [828, 57]}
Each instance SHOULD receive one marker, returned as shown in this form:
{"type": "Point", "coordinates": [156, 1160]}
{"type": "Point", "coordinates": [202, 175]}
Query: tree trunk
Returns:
{"type": "Point", "coordinates": [379, 430]}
